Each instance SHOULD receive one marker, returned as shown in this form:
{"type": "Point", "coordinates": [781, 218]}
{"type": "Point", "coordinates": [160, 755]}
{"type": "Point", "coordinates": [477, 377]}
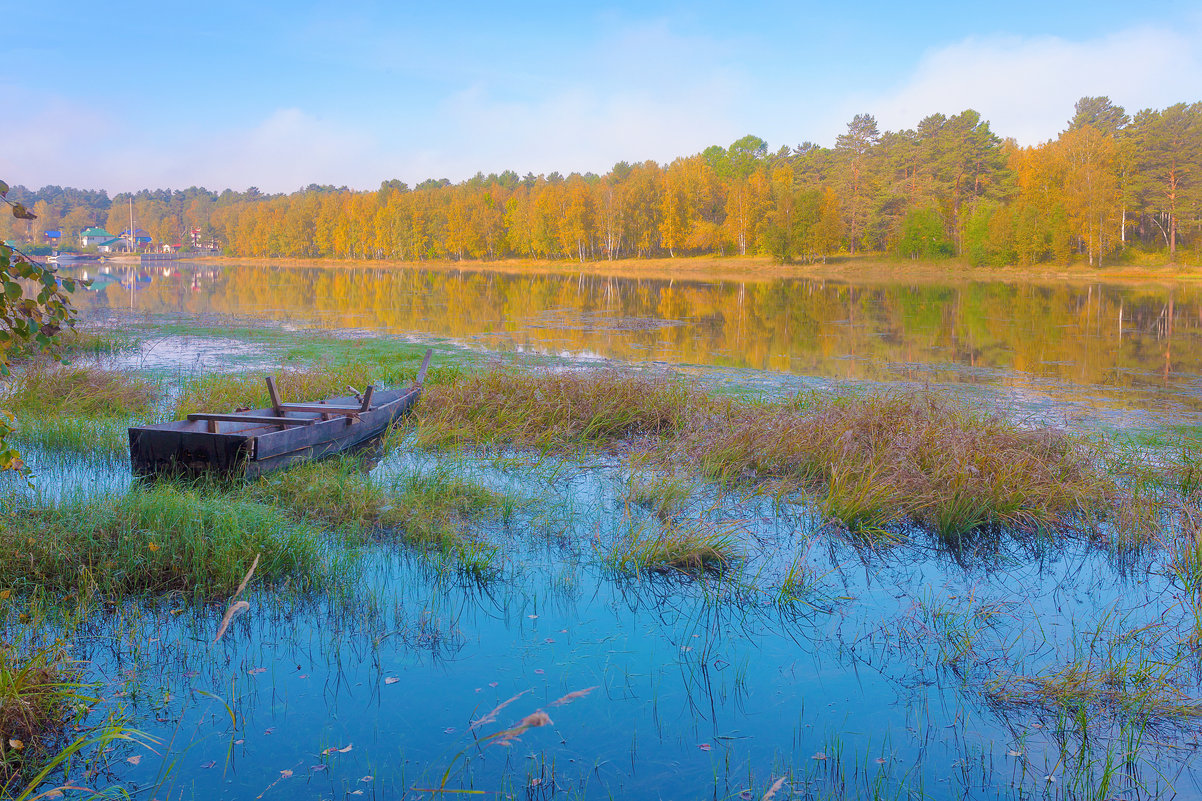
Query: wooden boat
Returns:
{"type": "Point", "coordinates": [251, 443]}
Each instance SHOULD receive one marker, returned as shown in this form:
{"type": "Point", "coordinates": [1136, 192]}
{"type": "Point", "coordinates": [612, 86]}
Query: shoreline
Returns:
{"type": "Point", "coordinates": [755, 269]}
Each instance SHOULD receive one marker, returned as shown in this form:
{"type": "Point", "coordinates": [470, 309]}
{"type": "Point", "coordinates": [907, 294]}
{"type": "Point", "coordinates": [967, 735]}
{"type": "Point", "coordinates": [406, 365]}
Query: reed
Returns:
{"type": "Point", "coordinates": [196, 540]}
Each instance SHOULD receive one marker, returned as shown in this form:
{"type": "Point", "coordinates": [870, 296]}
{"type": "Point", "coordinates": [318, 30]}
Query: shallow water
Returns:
{"type": "Point", "coordinates": [702, 688]}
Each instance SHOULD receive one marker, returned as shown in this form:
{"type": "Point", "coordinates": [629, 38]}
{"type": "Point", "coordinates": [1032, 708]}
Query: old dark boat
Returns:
{"type": "Point", "coordinates": [251, 443]}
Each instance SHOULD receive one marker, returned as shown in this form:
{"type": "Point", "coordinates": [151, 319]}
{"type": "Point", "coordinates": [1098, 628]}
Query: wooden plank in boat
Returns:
{"type": "Point", "coordinates": [252, 418]}
{"type": "Point", "coordinates": [323, 408]}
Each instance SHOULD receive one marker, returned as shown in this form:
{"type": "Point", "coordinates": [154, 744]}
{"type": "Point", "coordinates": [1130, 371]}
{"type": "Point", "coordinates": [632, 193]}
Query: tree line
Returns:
{"type": "Point", "coordinates": [949, 188]}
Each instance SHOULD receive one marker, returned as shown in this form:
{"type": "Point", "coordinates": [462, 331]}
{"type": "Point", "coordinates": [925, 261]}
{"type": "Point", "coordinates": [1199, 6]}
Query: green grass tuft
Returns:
{"type": "Point", "coordinates": [162, 538]}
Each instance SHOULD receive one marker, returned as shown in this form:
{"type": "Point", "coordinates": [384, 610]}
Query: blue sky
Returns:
{"type": "Point", "coordinates": [279, 95]}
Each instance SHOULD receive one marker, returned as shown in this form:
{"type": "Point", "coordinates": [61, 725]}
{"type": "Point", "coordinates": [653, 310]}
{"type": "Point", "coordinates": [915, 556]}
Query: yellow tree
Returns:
{"type": "Point", "coordinates": [1089, 185]}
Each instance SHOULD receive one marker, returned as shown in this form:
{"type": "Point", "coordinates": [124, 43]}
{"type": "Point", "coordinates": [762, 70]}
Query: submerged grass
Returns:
{"type": "Point", "coordinates": [429, 509]}
{"type": "Point", "coordinates": [691, 547]}
{"type": "Point", "coordinates": [198, 541]}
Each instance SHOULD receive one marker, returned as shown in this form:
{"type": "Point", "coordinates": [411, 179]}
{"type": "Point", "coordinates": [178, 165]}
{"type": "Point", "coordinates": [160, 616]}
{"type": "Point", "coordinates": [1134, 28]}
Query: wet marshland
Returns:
{"type": "Point", "coordinates": [823, 661]}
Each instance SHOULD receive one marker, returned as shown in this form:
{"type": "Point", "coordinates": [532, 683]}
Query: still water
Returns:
{"type": "Point", "coordinates": [1121, 353]}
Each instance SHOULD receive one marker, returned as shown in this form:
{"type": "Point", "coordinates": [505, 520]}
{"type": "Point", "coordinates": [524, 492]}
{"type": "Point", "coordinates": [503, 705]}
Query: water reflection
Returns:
{"type": "Point", "coordinates": [1137, 345]}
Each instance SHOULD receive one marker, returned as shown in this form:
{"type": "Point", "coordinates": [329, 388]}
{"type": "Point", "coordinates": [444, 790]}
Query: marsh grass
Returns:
{"type": "Point", "coordinates": [553, 411]}
{"type": "Point", "coordinates": [75, 342]}
{"type": "Point", "coordinates": [689, 547]}
{"type": "Point", "coordinates": [955, 627]}
{"type": "Point", "coordinates": [92, 434]}
{"type": "Point", "coordinates": [665, 494]}
{"type": "Point", "coordinates": [869, 460]}
{"type": "Point", "coordinates": [38, 688]}
{"type": "Point", "coordinates": [435, 507]}
{"type": "Point", "coordinates": [80, 407]}
{"type": "Point", "coordinates": [1186, 561]}
{"type": "Point", "coordinates": [877, 459]}
{"type": "Point", "coordinates": [798, 582]}
{"type": "Point", "coordinates": [48, 389]}
{"type": "Point", "coordinates": [196, 540]}
{"type": "Point", "coordinates": [1140, 687]}
{"type": "Point", "coordinates": [336, 492]}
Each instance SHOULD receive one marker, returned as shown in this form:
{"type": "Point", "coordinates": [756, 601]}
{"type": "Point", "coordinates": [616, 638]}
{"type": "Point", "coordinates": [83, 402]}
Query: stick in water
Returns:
{"type": "Point", "coordinates": [239, 607]}
{"type": "Point", "coordinates": [234, 609]}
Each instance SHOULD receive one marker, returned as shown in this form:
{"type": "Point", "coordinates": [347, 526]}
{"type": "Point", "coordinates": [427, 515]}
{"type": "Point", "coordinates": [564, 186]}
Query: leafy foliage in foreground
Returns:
{"type": "Point", "coordinates": [34, 308]}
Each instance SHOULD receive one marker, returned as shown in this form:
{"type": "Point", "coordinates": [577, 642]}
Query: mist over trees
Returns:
{"type": "Point", "coordinates": [949, 188]}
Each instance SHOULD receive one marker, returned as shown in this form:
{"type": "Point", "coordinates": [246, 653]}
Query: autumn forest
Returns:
{"type": "Point", "coordinates": [1109, 185]}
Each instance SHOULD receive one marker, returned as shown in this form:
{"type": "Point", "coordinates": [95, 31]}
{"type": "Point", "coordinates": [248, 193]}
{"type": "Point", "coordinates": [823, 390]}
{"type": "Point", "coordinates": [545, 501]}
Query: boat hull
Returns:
{"type": "Point", "coordinates": [249, 449]}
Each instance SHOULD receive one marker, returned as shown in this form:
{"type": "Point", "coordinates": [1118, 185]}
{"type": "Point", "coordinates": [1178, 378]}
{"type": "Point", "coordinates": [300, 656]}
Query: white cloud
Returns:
{"type": "Point", "coordinates": [1026, 87]}
{"type": "Point", "coordinates": [285, 151]}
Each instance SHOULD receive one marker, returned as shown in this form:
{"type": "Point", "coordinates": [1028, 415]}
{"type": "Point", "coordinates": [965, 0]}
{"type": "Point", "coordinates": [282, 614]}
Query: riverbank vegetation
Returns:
{"type": "Point", "coordinates": [1111, 187]}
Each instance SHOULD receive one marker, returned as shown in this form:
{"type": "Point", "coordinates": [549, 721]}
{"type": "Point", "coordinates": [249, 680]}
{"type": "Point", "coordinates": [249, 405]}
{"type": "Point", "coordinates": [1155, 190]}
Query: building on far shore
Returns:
{"type": "Point", "coordinates": [139, 238]}
{"type": "Point", "coordinates": [94, 236]}
{"type": "Point", "coordinates": [114, 245]}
